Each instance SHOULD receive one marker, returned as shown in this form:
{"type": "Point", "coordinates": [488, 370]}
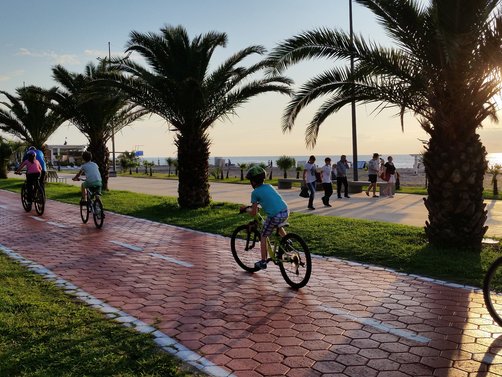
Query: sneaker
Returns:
{"type": "Point", "coordinates": [339, 197]}
{"type": "Point", "coordinates": [348, 197]}
{"type": "Point", "coordinates": [311, 208]}
{"type": "Point", "coordinates": [375, 196]}
{"type": "Point", "coordinates": [327, 205]}
{"type": "Point", "coordinates": [367, 193]}
{"type": "Point", "coordinates": [261, 265]}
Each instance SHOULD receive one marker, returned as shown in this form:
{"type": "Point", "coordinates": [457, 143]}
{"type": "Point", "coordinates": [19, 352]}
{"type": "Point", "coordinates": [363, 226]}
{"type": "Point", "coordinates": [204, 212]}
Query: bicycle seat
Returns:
{"type": "Point", "coordinates": [96, 190]}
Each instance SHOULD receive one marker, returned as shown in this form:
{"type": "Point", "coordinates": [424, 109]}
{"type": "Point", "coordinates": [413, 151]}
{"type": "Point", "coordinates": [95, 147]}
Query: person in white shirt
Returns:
{"type": "Point", "coordinates": [373, 169]}
{"type": "Point", "coordinates": [326, 181]}
{"type": "Point", "coordinates": [309, 179]}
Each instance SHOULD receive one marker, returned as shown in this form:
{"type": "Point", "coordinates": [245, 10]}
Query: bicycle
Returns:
{"type": "Point", "coordinates": [92, 204]}
{"type": "Point", "coordinates": [38, 197]}
{"type": "Point", "coordinates": [290, 252]}
{"type": "Point", "coordinates": [492, 290]}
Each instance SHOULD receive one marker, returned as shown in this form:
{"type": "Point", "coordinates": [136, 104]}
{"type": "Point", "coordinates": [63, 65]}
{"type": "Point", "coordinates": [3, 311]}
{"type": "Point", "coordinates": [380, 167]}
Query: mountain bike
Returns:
{"type": "Point", "coordinates": [290, 252]}
{"type": "Point", "coordinates": [492, 290]}
{"type": "Point", "coordinates": [38, 198]}
{"type": "Point", "coordinates": [92, 204]}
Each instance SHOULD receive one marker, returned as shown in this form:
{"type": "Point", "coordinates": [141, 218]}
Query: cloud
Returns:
{"type": "Point", "coordinates": [64, 59]}
{"type": "Point", "coordinates": [10, 75]}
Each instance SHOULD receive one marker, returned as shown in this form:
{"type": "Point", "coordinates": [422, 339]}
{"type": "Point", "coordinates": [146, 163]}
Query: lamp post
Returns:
{"type": "Point", "coordinates": [114, 172]}
{"type": "Point", "coordinates": [353, 105]}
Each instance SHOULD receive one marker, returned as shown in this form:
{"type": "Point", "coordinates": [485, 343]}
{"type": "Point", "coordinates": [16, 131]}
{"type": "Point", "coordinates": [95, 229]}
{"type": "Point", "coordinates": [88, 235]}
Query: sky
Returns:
{"type": "Point", "coordinates": [36, 35]}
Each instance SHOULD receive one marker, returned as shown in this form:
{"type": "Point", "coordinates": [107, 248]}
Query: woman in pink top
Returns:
{"type": "Point", "coordinates": [33, 170]}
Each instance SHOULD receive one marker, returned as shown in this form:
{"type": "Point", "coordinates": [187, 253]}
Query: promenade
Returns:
{"type": "Point", "coordinates": [402, 209]}
{"type": "Point", "coordinates": [350, 320]}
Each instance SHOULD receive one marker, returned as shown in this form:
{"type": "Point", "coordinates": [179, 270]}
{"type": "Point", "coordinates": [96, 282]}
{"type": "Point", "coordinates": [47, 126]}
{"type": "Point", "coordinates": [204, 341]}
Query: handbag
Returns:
{"type": "Point", "coordinates": [304, 192]}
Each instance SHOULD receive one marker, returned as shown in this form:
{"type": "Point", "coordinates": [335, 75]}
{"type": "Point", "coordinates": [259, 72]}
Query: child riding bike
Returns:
{"type": "Point", "coordinates": [33, 171]}
{"type": "Point", "coordinates": [91, 171]}
{"type": "Point", "coordinates": [273, 205]}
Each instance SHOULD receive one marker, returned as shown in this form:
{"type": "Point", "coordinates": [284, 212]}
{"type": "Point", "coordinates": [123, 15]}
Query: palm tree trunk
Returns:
{"type": "Point", "coordinates": [193, 168]}
{"type": "Point", "coordinates": [100, 155]}
{"type": "Point", "coordinates": [455, 168]}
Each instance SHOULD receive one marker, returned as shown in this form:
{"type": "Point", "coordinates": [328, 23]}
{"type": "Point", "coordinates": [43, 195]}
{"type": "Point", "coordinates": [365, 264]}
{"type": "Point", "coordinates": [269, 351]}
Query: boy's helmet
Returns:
{"type": "Point", "coordinates": [32, 148]}
{"type": "Point", "coordinates": [256, 173]}
{"type": "Point", "coordinates": [31, 152]}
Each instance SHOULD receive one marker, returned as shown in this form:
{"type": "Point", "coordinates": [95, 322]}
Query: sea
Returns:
{"type": "Point", "coordinates": [401, 161]}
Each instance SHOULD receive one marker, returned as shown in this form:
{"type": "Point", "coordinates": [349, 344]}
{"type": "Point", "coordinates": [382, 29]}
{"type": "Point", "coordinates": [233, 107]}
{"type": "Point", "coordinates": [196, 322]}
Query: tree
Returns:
{"type": "Point", "coordinates": [128, 160]}
{"type": "Point", "coordinates": [495, 171]}
{"type": "Point", "coordinates": [97, 111]}
{"type": "Point", "coordinates": [6, 150]}
{"type": "Point", "coordinates": [169, 162]}
{"type": "Point", "coordinates": [178, 86]}
{"type": "Point", "coordinates": [285, 163]}
{"type": "Point", "coordinates": [29, 117]}
{"type": "Point", "coordinates": [243, 167]}
{"type": "Point", "coordinates": [445, 70]}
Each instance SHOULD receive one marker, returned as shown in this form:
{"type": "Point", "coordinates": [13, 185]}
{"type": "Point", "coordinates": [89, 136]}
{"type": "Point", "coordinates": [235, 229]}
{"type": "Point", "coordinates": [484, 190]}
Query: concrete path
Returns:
{"type": "Point", "coordinates": [350, 320]}
{"type": "Point", "coordinates": [402, 209]}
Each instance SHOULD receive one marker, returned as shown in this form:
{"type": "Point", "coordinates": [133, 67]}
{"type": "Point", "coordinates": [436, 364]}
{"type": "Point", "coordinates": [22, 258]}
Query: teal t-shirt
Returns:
{"type": "Point", "coordinates": [269, 199]}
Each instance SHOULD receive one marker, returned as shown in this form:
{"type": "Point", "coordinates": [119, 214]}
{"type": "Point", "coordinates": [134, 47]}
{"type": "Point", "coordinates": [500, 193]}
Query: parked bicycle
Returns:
{"type": "Point", "coordinates": [93, 204]}
{"type": "Point", "coordinates": [38, 197]}
{"type": "Point", "coordinates": [290, 252]}
{"type": "Point", "coordinates": [492, 290]}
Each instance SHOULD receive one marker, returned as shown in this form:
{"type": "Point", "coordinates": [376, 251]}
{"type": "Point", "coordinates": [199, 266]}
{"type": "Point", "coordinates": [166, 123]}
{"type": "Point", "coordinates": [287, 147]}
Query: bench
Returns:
{"type": "Point", "coordinates": [52, 176]}
{"type": "Point", "coordinates": [287, 183]}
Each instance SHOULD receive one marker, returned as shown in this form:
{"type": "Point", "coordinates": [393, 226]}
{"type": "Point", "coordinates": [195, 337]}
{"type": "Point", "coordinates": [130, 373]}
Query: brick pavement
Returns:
{"type": "Point", "coordinates": [351, 319]}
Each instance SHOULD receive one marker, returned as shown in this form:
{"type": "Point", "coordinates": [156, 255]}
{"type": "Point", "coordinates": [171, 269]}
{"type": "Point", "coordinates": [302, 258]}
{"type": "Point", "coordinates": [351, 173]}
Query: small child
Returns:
{"type": "Point", "coordinates": [273, 205]}
{"type": "Point", "coordinates": [33, 170]}
{"type": "Point", "coordinates": [91, 171]}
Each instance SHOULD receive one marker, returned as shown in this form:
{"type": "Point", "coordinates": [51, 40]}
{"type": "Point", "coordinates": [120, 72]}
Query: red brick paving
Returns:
{"type": "Point", "coordinates": [254, 325]}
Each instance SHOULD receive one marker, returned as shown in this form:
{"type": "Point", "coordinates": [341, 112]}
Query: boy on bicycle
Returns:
{"type": "Point", "coordinates": [273, 205]}
{"type": "Point", "coordinates": [91, 171]}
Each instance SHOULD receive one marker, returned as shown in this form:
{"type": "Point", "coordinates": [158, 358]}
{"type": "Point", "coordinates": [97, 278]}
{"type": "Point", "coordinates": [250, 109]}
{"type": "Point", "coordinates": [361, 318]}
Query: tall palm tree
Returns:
{"type": "Point", "coordinates": [445, 69]}
{"type": "Point", "coordinates": [29, 116]}
{"type": "Point", "coordinates": [95, 110]}
{"type": "Point", "coordinates": [178, 86]}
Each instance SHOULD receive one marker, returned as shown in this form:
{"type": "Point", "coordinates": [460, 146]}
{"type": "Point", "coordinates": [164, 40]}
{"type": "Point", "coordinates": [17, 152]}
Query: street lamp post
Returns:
{"type": "Point", "coordinates": [353, 105]}
{"type": "Point", "coordinates": [114, 172]}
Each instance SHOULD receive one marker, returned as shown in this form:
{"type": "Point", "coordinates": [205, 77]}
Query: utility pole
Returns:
{"type": "Point", "coordinates": [354, 127]}
{"type": "Point", "coordinates": [114, 171]}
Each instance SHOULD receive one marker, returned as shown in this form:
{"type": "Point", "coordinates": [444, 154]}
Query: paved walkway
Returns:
{"type": "Point", "coordinates": [350, 320]}
{"type": "Point", "coordinates": [402, 209]}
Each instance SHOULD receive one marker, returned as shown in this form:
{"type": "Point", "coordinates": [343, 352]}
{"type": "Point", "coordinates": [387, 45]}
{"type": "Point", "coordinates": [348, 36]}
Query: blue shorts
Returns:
{"type": "Point", "coordinates": [271, 222]}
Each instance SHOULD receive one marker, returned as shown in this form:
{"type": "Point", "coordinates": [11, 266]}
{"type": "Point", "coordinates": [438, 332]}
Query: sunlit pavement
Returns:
{"type": "Point", "coordinates": [351, 320]}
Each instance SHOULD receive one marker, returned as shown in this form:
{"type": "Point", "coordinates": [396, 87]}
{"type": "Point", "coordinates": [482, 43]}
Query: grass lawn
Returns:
{"type": "Point", "coordinates": [40, 323]}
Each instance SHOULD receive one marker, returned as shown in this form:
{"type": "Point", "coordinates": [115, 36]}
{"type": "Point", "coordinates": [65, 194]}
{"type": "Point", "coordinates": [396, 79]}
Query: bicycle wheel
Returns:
{"type": "Point", "coordinates": [245, 245]}
{"type": "Point", "coordinates": [295, 262]}
{"type": "Point", "coordinates": [492, 290]}
{"type": "Point", "coordinates": [97, 213]}
{"type": "Point", "coordinates": [84, 211]}
{"type": "Point", "coordinates": [25, 200]}
{"type": "Point", "coordinates": [39, 199]}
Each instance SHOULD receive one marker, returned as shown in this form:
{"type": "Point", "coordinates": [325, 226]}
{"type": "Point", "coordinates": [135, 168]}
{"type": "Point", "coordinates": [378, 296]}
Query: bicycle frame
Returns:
{"type": "Point", "coordinates": [273, 241]}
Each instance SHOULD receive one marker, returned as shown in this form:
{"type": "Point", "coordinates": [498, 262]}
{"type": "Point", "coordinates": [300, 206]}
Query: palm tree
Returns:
{"type": "Point", "coordinates": [285, 163]}
{"type": "Point", "coordinates": [169, 162]}
{"type": "Point", "coordinates": [29, 117]}
{"type": "Point", "coordinates": [96, 111]}
{"type": "Point", "coordinates": [495, 170]}
{"type": "Point", "coordinates": [243, 167]}
{"type": "Point", "coordinates": [445, 69]}
{"type": "Point", "coordinates": [6, 150]}
{"type": "Point", "coordinates": [178, 86]}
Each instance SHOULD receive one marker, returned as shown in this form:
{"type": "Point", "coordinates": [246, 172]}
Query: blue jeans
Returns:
{"type": "Point", "coordinates": [311, 187]}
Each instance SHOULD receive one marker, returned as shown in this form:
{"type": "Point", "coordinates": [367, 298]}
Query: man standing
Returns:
{"type": "Point", "coordinates": [373, 168]}
{"type": "Point", "coordinates": [341, 177]}
{"type": "Point", "coordinates": [326, 181]}
{"type": "Point", "coordinates": [309, 179]}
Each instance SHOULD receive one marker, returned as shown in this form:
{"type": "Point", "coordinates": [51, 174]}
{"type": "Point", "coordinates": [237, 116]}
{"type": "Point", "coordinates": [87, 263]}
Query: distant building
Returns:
{"type": "Point", "coordinates": [64, 153]}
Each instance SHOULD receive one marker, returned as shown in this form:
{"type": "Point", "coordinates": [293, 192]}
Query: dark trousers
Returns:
{"type": "Point", "coordinates": [328, 191]}
{"type": "Point", "coordinates": [339, 182]}
{"type": "Point", "coordinates": [32, 180]}
{"type": "Point", "coordinates": [311, 187]}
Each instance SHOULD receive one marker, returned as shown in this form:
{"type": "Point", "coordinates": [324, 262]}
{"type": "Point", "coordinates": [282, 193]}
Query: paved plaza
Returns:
{"type": "Point", "coordinates": [350, 320]}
